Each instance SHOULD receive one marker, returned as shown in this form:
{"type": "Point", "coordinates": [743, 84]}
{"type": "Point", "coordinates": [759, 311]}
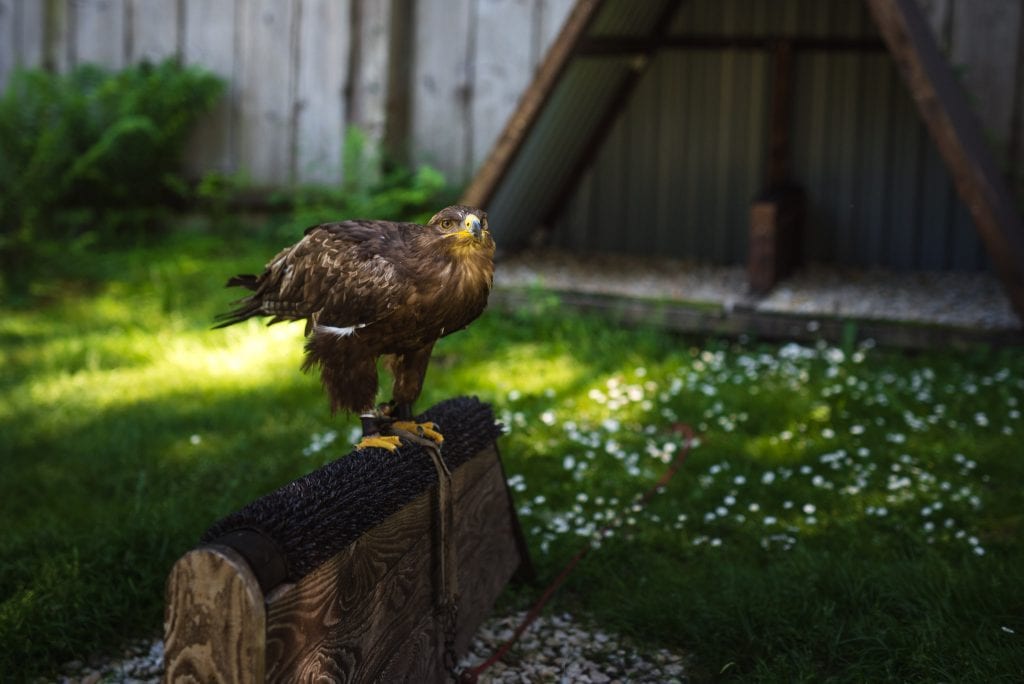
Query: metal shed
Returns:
{"type": "Point", "coordinates": [652, 126]}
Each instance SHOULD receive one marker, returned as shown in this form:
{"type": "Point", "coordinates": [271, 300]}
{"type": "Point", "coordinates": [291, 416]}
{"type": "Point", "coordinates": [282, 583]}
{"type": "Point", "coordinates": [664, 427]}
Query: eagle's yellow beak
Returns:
{"type": "Point", "coordinates": [472, 225]}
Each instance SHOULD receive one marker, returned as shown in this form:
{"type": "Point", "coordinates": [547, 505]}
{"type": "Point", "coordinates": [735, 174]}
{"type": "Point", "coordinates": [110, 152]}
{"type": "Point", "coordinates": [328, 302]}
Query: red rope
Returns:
{"type": "Point", "coordinates": [470, 675]}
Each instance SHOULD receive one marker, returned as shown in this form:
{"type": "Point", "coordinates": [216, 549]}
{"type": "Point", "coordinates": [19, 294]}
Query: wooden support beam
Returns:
{"type": "Point", "coordinates": [777, 215]}
{"type": "Point", "coordinates": [954, 128]}
{"type": "Point", "coordinates": [519, 125]}
{"type": "Point", "coordinates": [781, 121]}
{"type": "Point", "coordinates": [637, 68]}
{"type": "Point", "coordinates": [370, 611]}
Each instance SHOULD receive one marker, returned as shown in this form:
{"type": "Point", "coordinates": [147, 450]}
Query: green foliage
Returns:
{"type": "Point", "coordinates": [396, 194]}
{"type": "Point", "coordinates": [91, 151]}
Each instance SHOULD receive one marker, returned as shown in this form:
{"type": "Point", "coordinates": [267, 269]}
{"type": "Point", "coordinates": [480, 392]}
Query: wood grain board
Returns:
{"type": "Point", "coordinates": [367, 614]}
{"type": "Point", "coordinates": [153, 32]}
{"type": "Point", "coordinates": [215, 619]}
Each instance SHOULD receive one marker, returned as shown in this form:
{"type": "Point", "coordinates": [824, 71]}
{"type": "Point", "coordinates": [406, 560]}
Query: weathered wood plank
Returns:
{"type": "Point", "coordinates": [266, 65]}
{"type": "Point", "coordinates": [368, 82]}
{"type": "Point", "coordinates": [421, 658]}
{"type": "Point", "coordinates": [8, 41]}
{"type": "Point", "coordinates": [553, 15]}
{"type": "Point", "coordinates": [369, 73]}
{"type": "Point", "coordinates": [329, 607]}
{"type": "Point", "coordinates": [211, 591]}
{"type": "Point", "coordinates": [503, 65]}
{"type": "Point", "coordinates": [153, 29]}
{"type": "Point", "coordinates": [57, 36]}
{"type": "Point", "coordinates": [209, 40]}
{"type": "Point", "coordinates": [985, 39]}
{"type": "Point", "coordinates": [320, 107]}
{"type": "Point", "coordinates": [396, 143]}
{"type": "Point", "coordinates": [482, 538]}
{"type": "Point", "coordinates": [486, 180]}
{"type": "Point", "coordinates": [343, 620]}
{"type": "Point", "coordinates": [940, 15]}
{"type": "Point", "coordinates": [30, 16]}
{"type": "Point", "coordinates": [99, 32]}
{"type": "Point", "coordinates": [442, 81]}
{"type": "Point", "coordinates": [954, 128]}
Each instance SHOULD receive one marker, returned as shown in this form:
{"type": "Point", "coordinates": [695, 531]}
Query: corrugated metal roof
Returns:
{"type": "Point", "coordinates": [679, 166]}
{"type": "Point", "coordinates": [572, 113]}
{"type": "Point", "coordinates": [628, 17]}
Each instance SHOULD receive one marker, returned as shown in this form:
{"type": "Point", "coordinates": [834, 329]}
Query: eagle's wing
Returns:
{"type": "Point", "coordinates": [339, 275]}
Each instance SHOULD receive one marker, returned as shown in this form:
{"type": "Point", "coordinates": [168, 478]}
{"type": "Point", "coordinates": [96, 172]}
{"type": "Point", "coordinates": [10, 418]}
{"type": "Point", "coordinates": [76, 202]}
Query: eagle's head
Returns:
{"type": "Point", "coordinates": [466, 227]}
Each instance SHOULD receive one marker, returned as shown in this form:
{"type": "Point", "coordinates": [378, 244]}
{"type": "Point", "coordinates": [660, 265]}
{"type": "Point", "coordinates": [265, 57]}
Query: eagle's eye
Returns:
{"type": "Point", "coordinates": [447, 224]}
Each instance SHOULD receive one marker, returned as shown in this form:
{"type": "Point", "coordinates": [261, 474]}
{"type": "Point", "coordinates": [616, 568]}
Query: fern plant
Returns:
{"type": "Point", "coordinates": [91, 153]}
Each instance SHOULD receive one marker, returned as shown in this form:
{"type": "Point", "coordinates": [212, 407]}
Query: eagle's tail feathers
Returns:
{"type": "Point", "coordinates": [246, 280]}
{"type": "Point", "coordinates": [247, 310]}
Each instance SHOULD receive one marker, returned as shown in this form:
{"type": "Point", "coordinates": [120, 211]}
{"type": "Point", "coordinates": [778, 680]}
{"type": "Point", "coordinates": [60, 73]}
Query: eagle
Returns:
{"type": "Point", "coordinates": [371, 289]}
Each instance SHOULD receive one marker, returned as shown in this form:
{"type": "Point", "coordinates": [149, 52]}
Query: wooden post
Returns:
{"type": "Point", "coordinates": [776, 226]}
{"type": "Point", "coordinates": [369, 613]}
{"type": "Point", "coordinates": [954, 128]}
{"type": "Point", "coordinates": [215, 619]}
{"type": "Point", "coordinates": [781, 121]}
{"type": "Point", "coordinates": [776, 216]}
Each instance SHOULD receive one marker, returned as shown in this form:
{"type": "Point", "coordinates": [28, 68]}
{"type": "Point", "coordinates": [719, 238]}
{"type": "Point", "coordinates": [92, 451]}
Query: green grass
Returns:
{"type": "Point", "coordinates": [846, 516]}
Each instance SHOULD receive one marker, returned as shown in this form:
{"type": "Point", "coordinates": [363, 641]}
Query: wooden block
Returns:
{"type": "Point", "coordinates": [370, 612]}
{"type": "Point", "coordinates": [776, 220]}
{"type": "Point", "coordinates": [215, 619]}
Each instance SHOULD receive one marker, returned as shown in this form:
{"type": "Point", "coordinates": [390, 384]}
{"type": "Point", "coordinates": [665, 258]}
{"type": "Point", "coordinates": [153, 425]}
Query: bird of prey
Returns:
{"type": "Point", "coordinates": [372, 289]}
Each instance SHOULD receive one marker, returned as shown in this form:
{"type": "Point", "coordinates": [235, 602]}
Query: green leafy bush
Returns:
{"type": "Point", "coordinates": [91, 153]}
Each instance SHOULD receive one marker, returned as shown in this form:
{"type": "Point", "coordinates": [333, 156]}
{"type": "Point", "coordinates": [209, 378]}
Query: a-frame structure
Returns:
{"type": "Point", "coordinates": [520, 182]}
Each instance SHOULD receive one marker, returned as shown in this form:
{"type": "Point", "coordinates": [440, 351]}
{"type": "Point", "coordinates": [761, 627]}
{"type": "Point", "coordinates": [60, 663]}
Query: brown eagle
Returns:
{"type": "Point", "coordinates": [371, 289]}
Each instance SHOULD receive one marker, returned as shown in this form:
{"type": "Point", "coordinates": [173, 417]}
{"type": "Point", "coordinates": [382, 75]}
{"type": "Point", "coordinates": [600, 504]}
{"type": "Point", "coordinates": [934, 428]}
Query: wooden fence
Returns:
{"type": "Point", "coordinates": [302, 71]}
{"type": "Point", "coordinates": [435, 79]}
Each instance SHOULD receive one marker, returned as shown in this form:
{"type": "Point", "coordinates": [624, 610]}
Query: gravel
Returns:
{"type": "Point", "coordinates": [141, 662]}
{"type": "Point", "coordinates": [963, 300]}
{"type": "Point", "coordinates": [556, 648]}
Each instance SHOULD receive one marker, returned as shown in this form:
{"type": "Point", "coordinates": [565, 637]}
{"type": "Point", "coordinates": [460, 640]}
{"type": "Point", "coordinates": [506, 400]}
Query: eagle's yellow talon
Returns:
{"type": "Point", "coordinates": [389, 442]}
{"type": "Point", "coordinates": [428, 429]}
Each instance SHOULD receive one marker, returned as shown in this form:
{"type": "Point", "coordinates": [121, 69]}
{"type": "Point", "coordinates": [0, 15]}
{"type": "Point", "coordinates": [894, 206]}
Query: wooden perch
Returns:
{"type": "Point", "coordinates": [370, 611]}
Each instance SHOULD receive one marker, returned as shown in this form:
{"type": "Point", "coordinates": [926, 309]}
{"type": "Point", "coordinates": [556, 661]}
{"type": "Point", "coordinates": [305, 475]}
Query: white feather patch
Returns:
{"type": "Point", "coordinates": [339, 332]}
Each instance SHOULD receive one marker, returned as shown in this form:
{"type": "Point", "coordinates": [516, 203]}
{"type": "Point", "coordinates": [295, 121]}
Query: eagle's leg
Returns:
{"type": "Point", "coordinates": [350, 377]}
{"type": "Point", "coordinates": [409, 370]}
{"type": "Point", "coordinates": [372, 436]}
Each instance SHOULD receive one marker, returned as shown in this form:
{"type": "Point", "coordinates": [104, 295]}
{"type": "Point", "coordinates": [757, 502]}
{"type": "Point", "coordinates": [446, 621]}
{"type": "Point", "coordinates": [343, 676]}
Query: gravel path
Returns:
{"type": "Point", "coordinates": [965, 300]}
{"type": "Point", "coordinates": [556, 648]}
